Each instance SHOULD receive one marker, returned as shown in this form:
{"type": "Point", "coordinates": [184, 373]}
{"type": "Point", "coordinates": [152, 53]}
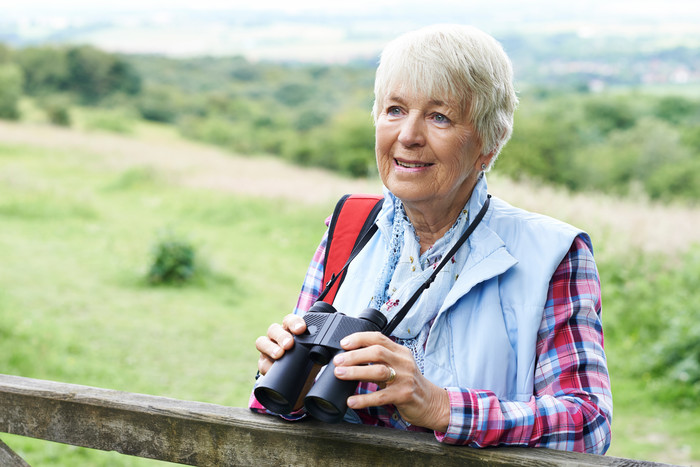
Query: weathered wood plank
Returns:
{"type": "Point", "coordinates": [8, 457]}
{"type": "Point", "coordinates": [197, 433]}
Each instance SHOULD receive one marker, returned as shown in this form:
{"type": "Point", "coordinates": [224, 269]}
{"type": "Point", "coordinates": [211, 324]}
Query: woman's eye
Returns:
{"type": "Point", "coordinates": [440, 118]}
{"type": "Point", "coordinates": [393, 110]}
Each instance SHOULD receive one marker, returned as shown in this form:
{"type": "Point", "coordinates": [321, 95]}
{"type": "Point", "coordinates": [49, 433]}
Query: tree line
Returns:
{"type": "Point", "coordinates": [624, 141]}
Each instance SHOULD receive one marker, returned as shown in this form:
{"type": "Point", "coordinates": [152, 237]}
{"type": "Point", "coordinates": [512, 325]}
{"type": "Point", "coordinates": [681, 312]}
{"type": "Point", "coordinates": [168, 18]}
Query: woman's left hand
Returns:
{"type": "Point", "coordinates": [419, 401]}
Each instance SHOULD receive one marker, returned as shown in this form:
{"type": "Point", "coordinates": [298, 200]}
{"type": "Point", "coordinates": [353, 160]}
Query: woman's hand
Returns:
{"type": "Point", "coordinates": [279, 338]}
{"type": "Point", "coordinates": [419, 401]}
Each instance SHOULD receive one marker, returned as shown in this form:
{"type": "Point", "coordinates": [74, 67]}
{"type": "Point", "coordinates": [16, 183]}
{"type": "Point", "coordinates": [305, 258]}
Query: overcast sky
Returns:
{"type": "Point", "coordinates": [671, 19]}
{"type": "Point", "coordinates": [621, 8]}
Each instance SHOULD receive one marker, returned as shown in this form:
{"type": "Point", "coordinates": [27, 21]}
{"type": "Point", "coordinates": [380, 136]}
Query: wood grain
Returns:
{"type": "Point", "coordinates": [197, 433]}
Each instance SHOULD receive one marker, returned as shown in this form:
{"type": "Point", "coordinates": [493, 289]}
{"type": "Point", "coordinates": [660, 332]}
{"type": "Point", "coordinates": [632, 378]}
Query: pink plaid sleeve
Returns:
{"type": "Point", "coordinates": [571, 408]}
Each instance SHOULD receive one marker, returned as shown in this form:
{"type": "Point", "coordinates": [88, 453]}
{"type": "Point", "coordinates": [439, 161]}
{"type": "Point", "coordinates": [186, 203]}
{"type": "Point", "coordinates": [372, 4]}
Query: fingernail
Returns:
{"type": "Point", "coordinates": [340, 371]}
{"type": "Point", "coordinates": [345, 341]}
{"type": "Point", "coordinates": [276, 352]}
{"type": "Point", "coordinates": [351, 402]}
{"type": "Point", "coordinates": [297, 327]}
{"type": "Point", "coordinates": [286, 342]}
{"type": "Point", "coordinates": [339, 359]}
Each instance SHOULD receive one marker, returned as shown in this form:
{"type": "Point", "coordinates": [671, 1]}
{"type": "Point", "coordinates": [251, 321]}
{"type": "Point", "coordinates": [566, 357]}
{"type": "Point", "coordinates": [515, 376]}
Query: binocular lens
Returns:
{"type": "Point", "coordinates": [273, 396]}
{"type": "Point", "coordinates": [327, 399]}
{"type": "Point", "coordinates": [276, 391]}
{"type": "Point", "coordinates": [323, 410]}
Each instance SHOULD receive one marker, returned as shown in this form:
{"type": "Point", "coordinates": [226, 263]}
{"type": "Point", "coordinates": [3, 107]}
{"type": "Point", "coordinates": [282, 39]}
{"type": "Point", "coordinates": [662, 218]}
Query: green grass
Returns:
{"type": "Point", "coordinates": [647, 428]}
{"type": "Point", "coordinates": [75, 246]}
{"type": "Point", "coordinates": [75, 307]}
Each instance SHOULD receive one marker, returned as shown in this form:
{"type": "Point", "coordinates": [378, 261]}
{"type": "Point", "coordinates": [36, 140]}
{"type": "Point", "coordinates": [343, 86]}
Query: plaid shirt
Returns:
{"type": "Point", "coordinates": [571, 408]}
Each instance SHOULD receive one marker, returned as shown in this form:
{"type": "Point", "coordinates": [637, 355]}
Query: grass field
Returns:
{"type": "Point", "coordinates": [80, 214]}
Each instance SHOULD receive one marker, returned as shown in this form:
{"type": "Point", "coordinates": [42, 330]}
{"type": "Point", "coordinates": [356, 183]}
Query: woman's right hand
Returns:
{"type": "Point", "coordinates": [279, 338]}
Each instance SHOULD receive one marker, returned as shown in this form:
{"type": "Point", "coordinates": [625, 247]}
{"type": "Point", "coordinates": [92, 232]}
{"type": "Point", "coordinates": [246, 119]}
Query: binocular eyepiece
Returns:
{"type": "Point", "coordinates": [291, 378]}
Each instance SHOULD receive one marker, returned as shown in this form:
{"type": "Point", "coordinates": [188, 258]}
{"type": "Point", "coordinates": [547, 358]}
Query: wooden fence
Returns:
{"type": "Point", "coordinates": [197, 433]}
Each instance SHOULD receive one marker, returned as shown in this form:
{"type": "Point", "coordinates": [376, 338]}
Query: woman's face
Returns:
{"type": "Point", "coordinates": [428, 153]}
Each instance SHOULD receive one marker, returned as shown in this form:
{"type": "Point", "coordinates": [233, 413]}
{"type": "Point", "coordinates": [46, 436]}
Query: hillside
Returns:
{"type": "Point", "coordinates": [82, 210]}
{"type": "Point", "coordinates": [615, 224]}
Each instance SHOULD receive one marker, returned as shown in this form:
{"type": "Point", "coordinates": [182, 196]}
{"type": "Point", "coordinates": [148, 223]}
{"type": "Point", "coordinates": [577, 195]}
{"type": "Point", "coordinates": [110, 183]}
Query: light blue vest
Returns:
{"type": "Point", "coordinates": [485, 333]}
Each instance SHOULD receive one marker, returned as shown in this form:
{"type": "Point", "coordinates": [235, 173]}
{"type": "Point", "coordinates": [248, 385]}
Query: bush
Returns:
{"type": "Point", "coordinates": [57, 108]}
{"type": "Point", "coordinates": [160, 103]}
{"type": "Point", "coordinates": [173, 261]}
{"type": "Point", "coordinates": [650, 314]}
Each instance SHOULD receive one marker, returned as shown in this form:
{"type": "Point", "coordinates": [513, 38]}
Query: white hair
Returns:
{"type": "Point", "coordinates": [454, 63]}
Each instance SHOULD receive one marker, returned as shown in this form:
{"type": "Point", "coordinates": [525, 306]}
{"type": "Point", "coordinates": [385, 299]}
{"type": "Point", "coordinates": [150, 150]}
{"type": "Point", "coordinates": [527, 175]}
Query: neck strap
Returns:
{"type": "Point", "coordinates": [389, 328]}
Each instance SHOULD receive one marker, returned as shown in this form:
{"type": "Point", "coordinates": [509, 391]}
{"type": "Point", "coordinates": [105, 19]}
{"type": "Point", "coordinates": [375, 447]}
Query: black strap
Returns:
{"type": "Point", "coordinates": [389, 328]}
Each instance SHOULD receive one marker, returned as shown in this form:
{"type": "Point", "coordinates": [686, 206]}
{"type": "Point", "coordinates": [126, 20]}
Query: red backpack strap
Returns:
{"type": "Point", "coordinates": [353, 216]}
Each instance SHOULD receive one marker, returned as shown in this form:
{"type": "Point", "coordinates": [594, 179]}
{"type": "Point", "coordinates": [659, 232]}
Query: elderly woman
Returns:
{"type": "Point", "coordinates": [506, 346]}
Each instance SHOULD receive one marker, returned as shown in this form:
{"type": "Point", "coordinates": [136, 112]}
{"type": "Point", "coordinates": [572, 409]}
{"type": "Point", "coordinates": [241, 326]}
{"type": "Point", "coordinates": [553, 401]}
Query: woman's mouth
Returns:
{"type": "Point", "coordinates": [411, 165]}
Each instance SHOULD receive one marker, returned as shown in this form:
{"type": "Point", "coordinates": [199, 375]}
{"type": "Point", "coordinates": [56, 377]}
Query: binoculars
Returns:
{"type": "Point", "coordinates": [291, 378]}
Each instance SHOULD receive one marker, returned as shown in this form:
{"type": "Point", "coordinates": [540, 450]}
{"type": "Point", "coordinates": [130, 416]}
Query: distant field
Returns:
{"type": "Point", "coordinates": [80, 212]}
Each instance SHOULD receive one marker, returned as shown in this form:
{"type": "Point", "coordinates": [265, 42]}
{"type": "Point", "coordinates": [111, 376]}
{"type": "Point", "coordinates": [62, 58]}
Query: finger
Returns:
{"type": "Point", "coordinates": [366, 355]}
{"type": "Point", "coordinates": [280, 336]}
{"type": "Point", "coordinates": [268, 348]}
{"type": "Point", "coordinates": [373, 399]}
{"type": "Point", "coordinates": [294, 323]}
{"type": "Point", "coordinates": [365, 339]}
{"type": "Point", "coordinates": [367, 373]}
{"type": "Point", "coordinates": [264, 364]}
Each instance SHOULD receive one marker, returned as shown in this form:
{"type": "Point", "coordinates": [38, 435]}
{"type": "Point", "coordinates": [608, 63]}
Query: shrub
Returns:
{"type": "Point", "coordinates": [160, 103]}
{"type": "Point", "coordinates": [173, 261]}
{"type": "Point", "coordinates": [650, 315]}
{"type": "Point", "coordinates": [57, 108]}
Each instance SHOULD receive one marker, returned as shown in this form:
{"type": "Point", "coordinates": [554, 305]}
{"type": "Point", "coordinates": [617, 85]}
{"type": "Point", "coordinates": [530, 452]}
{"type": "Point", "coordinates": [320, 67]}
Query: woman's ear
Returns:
{"type": "Point", "coordinates": [484, 161]}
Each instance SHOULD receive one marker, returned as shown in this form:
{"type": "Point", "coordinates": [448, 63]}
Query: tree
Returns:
{"type": "Point", "coordinates": [677, 109]}
{"type": "Point", "coordinates": [45, 69]}
{"type": "Point", "coordinates": [94, 74]}
{"type": "Point", "coordinates": [11, 81]}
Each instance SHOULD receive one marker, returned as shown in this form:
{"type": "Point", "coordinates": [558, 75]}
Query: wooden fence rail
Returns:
{"type": "Point", "coordinates": [197, 433]}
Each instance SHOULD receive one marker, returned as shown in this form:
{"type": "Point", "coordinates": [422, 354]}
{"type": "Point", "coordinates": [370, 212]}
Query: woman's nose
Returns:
{"type": "Point", "coordinates": [412, 131]}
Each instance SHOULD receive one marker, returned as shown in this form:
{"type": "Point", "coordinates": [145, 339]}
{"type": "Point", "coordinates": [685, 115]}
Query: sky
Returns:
{"type": "Point", "coordinates": [188, 27]}
{"type": "Point", "coordinates": [620, 9]}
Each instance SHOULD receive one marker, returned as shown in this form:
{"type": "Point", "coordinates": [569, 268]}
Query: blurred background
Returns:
{"type": "Point", "coordinates": [166, 167]}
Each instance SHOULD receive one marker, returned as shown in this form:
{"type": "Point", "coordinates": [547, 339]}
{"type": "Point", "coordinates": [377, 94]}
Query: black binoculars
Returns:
{"type": "Point", "coordinates": [291, 378]}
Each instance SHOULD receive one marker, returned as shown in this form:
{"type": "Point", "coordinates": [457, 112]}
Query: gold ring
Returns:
{"type": "Point", "coordinates": [392, 374]}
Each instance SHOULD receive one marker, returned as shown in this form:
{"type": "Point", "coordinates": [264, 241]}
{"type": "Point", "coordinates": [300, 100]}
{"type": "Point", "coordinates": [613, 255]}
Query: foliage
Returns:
{"type": "Point", "coordinates": [173, 260]}
{"type": "Point", "coordinates": [89, 73]}
{"type": "Point", "coordinates": [94, 74]}
{"type": "Point", "coordinates": [10, 91]}
{"type": "Point", "coordinates": [45, 69]}
{"type": "Point", "coordinates": [160, 103]}
{"type": "Point", "coordinates": [619, 141]}
{"type": "Point", "coordinates": [5, 54]}
{"type": "Point", "coordinates": [650, 315]}
{"type": "Point", "coordinates": [57, 108]}
{"type": "Point", "coordinates": [608, 143]}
